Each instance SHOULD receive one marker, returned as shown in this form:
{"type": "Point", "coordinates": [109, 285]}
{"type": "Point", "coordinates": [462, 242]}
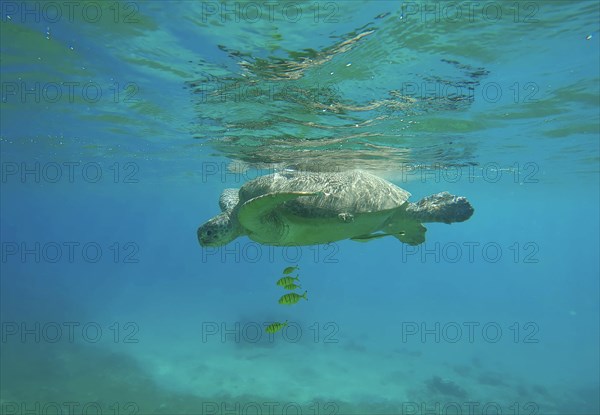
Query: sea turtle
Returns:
{"type": "Point", "coordinates": [292, 208]}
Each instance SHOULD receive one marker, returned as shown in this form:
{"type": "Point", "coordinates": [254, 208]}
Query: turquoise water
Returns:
{"type": "Point", "coordinates": [122, 123]}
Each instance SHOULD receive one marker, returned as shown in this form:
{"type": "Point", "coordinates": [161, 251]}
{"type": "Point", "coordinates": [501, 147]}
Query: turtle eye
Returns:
{"type": "Point", "coordinates": [208, 232]}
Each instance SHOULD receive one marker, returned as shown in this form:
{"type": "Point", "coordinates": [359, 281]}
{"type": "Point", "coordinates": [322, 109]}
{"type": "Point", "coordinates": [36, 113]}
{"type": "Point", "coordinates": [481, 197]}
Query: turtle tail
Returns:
{"type": "Point", "coordinates": [440, 207]}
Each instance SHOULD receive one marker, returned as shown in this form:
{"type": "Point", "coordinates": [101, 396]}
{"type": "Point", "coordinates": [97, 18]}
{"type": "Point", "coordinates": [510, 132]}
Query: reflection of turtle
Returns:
{"type": "Point", "coordinates": [293, 208]}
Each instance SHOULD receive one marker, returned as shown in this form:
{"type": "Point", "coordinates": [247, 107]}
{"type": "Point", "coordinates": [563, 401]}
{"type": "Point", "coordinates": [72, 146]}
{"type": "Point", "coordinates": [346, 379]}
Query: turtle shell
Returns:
{"type": "Point", "coordinates": [351, 192]}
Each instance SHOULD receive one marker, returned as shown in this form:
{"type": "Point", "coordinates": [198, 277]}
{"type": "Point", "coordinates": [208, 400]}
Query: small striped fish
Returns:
{"type": "Point", "coordinates": [291, 298]}
{"type": "Point", "coordinates": [275, 327]}
{"type": "Point", "coordinates": [291, 287]}
{"type": "Point", "coordinates": [289, 270]}
{"type": "Point", "coordinates": [287, 281]}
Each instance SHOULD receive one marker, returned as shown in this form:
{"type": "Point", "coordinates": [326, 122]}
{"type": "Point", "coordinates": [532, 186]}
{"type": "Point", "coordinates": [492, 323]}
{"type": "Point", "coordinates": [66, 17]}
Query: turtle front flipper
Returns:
{"type": "Point", "coordinates": [412, 234]}
{"type": "Point", "coordinates": [254, 215]}
{"type": "Point", "coordinates": [229, 199]}
{"type": "Point", "coordinates": [440, 207]}
{"type": "Point", "coordinates": [369, 237]}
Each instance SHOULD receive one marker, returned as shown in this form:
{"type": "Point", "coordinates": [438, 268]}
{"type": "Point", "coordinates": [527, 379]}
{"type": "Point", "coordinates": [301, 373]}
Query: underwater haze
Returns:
{"type": "Point", "coordinates": [123, 122]}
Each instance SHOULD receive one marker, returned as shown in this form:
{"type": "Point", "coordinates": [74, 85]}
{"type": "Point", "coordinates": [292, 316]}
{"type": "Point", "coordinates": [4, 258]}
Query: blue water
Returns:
{"type": "Point", "coordinates": [122, 123]}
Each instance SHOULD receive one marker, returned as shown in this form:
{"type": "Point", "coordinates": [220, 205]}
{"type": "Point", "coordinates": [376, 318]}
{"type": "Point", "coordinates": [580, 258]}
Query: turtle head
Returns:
{"type": "Point", "coordinates": [218, 231]}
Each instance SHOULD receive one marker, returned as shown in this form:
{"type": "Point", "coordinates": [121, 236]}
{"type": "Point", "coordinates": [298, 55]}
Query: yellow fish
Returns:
{"type": "Point", "coordinates": [289, 270]}
{"type": "Point", "coordinates": [291, 287]}
{"type": "Point", "coordinates": [292, 298]}
{"type": "Point", "coordinates": [275, 327]}
{"type": "Point", "coordinates": [287, 281]}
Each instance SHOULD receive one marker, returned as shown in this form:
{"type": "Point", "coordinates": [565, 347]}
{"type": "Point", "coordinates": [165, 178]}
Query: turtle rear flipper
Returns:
{"type": "Point", "coordinates": [440, 207]}
{"type": "Point", "coordinates": [413, 235]}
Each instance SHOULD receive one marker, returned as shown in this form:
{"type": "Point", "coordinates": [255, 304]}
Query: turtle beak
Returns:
{"type": "Point", "coordinates": [218, 231]}
{"type": "Point", "coordinates": [207, 236]}
{"type": "Point", "coordinates": [203, 237]}
{"type": "Point", "coordinates": [199, 235]}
